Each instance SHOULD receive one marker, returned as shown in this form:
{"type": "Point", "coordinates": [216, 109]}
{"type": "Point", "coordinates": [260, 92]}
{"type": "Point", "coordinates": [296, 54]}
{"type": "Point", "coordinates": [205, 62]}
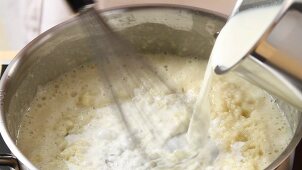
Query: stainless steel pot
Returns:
{"type": "Point", "coordinates": [181, 31]}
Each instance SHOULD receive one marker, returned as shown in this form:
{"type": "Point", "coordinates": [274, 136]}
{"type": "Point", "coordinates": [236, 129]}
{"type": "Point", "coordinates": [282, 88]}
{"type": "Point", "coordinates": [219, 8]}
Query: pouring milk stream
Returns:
{"type": "Point", "coordinates": [235, 40]}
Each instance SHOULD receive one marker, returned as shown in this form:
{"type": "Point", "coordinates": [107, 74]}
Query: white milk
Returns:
{"type": "Point", "coordinates": [240, 34]}
{"type": "Point", "coordinates": [197, 134]}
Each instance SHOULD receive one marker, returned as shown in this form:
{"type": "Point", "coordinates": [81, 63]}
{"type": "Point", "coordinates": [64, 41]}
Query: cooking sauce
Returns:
{"type": "Point", "coordinates": [74, 124]}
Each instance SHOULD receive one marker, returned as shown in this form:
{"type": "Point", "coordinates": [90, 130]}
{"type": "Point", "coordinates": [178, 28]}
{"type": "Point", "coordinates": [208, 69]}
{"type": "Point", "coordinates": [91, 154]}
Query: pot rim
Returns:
{"type": "Point", "coordinates": [42, 38]}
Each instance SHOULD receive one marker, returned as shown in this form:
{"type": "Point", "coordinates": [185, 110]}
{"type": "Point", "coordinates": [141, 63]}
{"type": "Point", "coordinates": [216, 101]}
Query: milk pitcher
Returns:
{"type": "Point", "coordinates": [275, 62]}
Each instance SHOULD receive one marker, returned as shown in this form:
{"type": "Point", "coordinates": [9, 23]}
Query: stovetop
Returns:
{"type": "Point", "coordinates": [297, 161]}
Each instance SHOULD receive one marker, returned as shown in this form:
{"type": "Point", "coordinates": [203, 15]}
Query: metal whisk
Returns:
{"type": "Point", "coordinates": [115, 57]}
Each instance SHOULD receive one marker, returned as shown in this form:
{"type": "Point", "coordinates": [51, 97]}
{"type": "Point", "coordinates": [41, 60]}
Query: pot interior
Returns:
{"type": "Point", "coordinates": [181, 32]}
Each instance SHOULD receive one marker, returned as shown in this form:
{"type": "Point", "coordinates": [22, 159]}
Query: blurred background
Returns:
{"type": "Point", "coordinates": [21, 21]}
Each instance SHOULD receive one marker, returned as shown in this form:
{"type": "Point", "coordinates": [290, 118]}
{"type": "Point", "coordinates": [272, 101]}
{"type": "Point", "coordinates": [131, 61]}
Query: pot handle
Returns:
{"type": "Point", "coordinates": [9, 160]}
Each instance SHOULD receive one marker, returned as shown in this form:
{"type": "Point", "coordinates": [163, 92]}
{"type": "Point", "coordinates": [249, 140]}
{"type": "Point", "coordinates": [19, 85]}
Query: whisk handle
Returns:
{"type": "Point", "coordinates": [77, 5]}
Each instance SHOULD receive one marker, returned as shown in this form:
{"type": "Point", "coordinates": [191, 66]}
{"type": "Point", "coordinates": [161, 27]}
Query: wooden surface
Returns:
{"type": "Point", "coordinates": [7, 56]}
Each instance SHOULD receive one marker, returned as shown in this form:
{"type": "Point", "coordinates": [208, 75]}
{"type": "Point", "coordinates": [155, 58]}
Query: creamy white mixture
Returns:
{"type": "Point", "coordinates": [73, 122]}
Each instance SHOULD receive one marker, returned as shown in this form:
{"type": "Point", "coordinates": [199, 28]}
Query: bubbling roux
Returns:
{"type": "Point", "coordinates": [72, 122]}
